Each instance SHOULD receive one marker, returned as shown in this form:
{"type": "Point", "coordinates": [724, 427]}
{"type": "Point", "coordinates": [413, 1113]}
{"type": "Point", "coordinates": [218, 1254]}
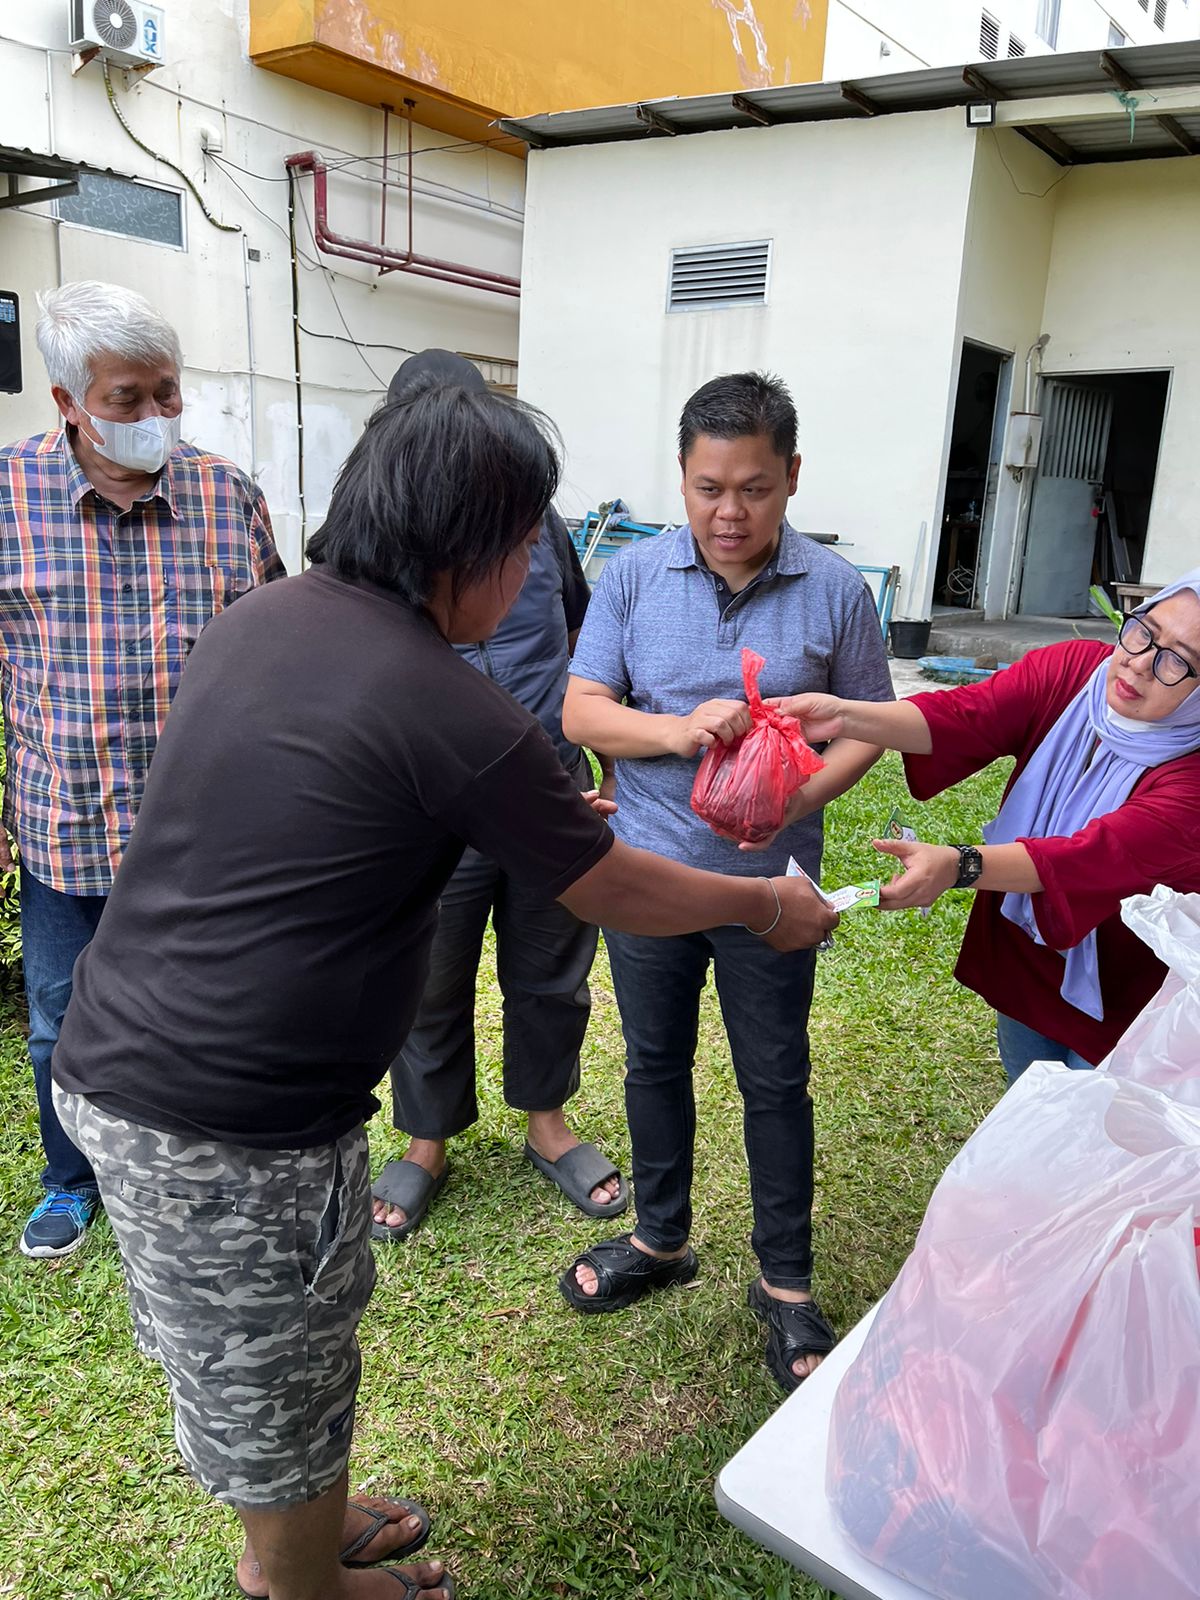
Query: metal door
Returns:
{"type": "Point", "coordinates": [1061, 537]}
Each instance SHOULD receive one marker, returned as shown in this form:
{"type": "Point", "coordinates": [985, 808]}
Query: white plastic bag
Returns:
{"type": "Point", "coordinates": [1024, 1418]}
{"type": "Point", "coordinates": [1162, 1048]}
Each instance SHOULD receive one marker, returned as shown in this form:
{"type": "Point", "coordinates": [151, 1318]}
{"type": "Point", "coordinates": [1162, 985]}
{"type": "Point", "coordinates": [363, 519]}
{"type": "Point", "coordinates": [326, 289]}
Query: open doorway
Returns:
{"type": "Point", "coordinates": [972, 474]}
{"type": "Point", "coordinates": [1095, 481]}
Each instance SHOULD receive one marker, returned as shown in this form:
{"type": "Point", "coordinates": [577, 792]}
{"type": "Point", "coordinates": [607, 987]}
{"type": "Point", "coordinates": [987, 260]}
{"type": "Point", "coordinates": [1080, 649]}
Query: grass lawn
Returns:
{"type": "Point", "coordinates": [561, 1455]}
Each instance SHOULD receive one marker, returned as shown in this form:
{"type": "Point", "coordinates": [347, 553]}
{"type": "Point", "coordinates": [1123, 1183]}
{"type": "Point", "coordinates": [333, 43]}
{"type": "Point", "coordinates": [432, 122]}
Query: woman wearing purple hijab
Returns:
{"type": "Point", "coordinates": [1104, 802]}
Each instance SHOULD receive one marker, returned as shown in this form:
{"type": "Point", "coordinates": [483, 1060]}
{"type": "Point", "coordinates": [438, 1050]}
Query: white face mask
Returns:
{"type": "Point", "coordinates": [141, 446]}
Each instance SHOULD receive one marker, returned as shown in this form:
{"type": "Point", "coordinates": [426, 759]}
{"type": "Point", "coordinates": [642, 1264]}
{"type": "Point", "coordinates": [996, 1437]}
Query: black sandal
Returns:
{"type": "Point", "coordinates": [623, 1274]}
{"type": "Point", "coordinates": [794, 1328]}
{"type": "Point", "coordinates": [414, 1590]}
{"type": "Point", "coordinates": [379, 1521]}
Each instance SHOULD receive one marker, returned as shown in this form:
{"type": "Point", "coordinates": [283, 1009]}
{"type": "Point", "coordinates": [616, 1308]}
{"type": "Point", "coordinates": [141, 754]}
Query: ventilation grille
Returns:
{"type": "Point", "coordinates": [1015, 47]}
{"type": "Point", "coordinates": [1160, 14]}
{"type": "Point", "coordinates": [719, 275]}
{"type": "Point", "coordinates": [989, 37]}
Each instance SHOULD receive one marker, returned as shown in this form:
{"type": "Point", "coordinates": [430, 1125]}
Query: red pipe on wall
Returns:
{"type": "Point", "coordinates": [380, 255]}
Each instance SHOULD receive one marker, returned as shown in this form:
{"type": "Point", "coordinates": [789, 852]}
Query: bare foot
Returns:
{"type": "Point", "coordinates": [803, 1366]}
{"type": "Point", "coordinates": [585, 1276]}
{"type": "Point", "coordinates": [551, 1138]}
{"type": "Point", "coordinates": [393, 1538]}
{"type": "Point", "coordinates": [427, 1153]}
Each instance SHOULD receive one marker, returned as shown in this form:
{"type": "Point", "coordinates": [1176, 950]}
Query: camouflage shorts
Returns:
{"type": "Point", "coordinates": [248, 1272]}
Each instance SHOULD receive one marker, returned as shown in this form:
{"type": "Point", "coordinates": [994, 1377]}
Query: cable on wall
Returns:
{"type": "Point", "coordinates": [225, 227]}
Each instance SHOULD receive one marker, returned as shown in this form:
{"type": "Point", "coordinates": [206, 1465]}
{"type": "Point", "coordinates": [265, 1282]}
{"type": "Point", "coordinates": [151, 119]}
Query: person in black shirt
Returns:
{"type": "Point", "coordinates": [543, 953]}
{"type": "Point", "coordinates": [265, 946]}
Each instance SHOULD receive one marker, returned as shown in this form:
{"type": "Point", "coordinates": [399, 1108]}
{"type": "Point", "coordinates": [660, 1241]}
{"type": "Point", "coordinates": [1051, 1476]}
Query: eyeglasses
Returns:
{"type": "Point", "coordinates": [1168, 667]}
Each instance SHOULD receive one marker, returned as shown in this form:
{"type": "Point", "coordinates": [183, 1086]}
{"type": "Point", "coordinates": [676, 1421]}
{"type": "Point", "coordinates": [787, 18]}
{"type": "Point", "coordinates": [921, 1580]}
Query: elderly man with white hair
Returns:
{"type": "Point", "coordinates": [118, 542]}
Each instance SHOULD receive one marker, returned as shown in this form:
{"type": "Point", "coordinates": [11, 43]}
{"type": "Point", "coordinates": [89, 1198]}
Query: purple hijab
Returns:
{"type": "Point", "coordinates": [1060, 791]}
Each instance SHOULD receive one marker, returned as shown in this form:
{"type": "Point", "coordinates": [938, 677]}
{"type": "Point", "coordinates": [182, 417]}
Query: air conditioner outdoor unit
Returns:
{"type": "Point", "coordinates": [125, 32]}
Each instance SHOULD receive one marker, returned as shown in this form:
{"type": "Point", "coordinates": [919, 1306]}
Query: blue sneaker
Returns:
{"type": "Point", "coordinates": [59, 1223]}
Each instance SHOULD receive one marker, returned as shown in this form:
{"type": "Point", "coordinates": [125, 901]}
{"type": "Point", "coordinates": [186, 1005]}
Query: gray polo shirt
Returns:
{"type": "Point", "coordinates": [666, 634]}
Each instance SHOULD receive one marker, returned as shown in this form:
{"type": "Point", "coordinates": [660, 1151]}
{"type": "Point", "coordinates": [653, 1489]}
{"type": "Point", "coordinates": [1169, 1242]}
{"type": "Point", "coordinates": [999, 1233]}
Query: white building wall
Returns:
{"type": "Point", "coordinates": [867, 237]}
{"type": "Point", "coordinates": [247, 409]}
{"type": "Point", "coordinates": [865, 37]}
{"type": "Point", "coordinates": [1121, 297]}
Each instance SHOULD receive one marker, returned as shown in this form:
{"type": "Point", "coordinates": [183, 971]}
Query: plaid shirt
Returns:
{"type": "Point", "coordinates": [98, 610]}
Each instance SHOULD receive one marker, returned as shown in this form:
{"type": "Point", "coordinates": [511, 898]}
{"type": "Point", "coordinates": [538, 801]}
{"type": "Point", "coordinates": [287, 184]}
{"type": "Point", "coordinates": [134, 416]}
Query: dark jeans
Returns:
{"type": "Point", "coordinates": [1020, 1046]}
{"type": "Point", "coordinates": [765, 999]}
{"type": "Point", "coordinates": [543, 958]}
{"type": "Point", "coordinates": [54, 929]}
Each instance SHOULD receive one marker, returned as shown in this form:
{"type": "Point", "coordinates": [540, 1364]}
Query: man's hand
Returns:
{"type": "Point", "coordinates": [716, 721]}
{"type": "Point", "coordinates": [7, 864]}
{"type": "Point", "coordinates": [929, 870]}
{"type": "Point", "coordinates": [821, 716]}
{"type": "Point", "coordinates": [805, 918]}
{"type": "Point", "coordinates": [602, 807]}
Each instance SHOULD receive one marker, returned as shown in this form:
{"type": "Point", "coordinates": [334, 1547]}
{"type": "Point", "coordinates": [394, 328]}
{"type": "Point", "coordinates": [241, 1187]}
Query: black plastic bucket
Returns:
{"type": "Point", "coordinates": [910, 640]}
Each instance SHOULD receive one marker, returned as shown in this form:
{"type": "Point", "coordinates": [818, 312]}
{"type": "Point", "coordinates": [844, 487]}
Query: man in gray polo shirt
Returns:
{"type": "Point", "coordinates": [655, 680]}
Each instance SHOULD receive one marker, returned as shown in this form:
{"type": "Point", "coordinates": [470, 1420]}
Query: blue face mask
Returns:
{"type": "Point", "coordinates": [142, 446]}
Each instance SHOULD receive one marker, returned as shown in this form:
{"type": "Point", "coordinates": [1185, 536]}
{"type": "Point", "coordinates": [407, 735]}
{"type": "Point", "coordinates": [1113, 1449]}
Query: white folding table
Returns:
{"type": "Point", "coordinates": [774, 1488]}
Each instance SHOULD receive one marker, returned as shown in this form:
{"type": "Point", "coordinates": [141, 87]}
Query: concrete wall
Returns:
{"type": "Point", "coordinates": [868, 225]}
{"type": "Point", "coordinates": [1121, 297]}
{"type": "Point", "coordinates": [245, 409]}
{"type": "Point", "coordinates": [864, 37]}
{"type": "Point", "coordinates": [526, 56]}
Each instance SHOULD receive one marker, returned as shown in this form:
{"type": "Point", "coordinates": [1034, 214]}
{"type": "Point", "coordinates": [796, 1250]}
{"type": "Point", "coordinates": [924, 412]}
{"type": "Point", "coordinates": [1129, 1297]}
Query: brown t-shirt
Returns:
{"type": "Point", "coordinates": [266, 942]}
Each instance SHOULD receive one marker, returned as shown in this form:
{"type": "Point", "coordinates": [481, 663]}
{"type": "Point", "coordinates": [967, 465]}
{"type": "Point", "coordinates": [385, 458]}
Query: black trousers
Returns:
{"type": "Point", "coordinates": [543, 958]}
{"type": "Point", "coordinates": [765, 998]}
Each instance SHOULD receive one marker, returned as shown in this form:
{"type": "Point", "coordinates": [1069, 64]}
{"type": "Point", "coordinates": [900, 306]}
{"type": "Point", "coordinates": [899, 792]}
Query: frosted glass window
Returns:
{"type": "Point", "coordinates": [115, 205]}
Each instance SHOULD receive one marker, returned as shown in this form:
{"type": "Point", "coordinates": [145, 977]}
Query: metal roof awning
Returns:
{"type": "Point", "coordinates": [1134, 103]}
{"type": "Point", "coordinates": [18, 164]}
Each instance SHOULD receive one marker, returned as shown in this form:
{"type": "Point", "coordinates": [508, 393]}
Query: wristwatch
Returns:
{"type": "Point", "coordinates": [970, 865]}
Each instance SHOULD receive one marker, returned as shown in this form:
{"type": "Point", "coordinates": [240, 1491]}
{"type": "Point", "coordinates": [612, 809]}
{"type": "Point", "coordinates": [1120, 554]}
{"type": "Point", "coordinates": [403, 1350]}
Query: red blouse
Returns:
{"type": "Point", "coordinates": [1153, 838]}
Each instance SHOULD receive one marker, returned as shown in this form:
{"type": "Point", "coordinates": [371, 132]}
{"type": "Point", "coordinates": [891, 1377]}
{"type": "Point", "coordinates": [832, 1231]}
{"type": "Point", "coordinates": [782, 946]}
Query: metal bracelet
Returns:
{"type": "Point", "coordinates": [761, 933]}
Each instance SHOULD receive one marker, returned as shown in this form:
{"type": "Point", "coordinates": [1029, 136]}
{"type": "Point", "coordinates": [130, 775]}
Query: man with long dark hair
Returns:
{"type": "Point", "coordinates": [266, 944]}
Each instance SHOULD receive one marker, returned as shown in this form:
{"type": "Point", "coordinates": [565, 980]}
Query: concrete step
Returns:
{"type": "Point", "coordinates": [1009, 641]}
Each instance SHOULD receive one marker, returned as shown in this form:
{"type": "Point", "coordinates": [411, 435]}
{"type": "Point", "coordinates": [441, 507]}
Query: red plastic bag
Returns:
{"type": "Point", "coordinates": [742, 789]}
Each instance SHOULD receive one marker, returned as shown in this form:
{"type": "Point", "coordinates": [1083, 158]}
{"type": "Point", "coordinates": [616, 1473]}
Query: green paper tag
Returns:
{"type": "Point", "coordinates": [855, 895]}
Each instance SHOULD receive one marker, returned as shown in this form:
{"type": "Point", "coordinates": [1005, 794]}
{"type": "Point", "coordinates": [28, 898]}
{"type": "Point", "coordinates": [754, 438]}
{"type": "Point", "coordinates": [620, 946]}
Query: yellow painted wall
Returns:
{"type": "Point", "coordinates": [478, 59]}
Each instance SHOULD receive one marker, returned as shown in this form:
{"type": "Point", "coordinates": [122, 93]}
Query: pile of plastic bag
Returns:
{"type": "Point", "coordinates": [1024, 1417]}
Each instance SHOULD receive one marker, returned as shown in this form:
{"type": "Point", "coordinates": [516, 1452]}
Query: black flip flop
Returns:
{"type": "Point", "coordinates": [794, 1328]}
{"type": "Point", "coordinates": [409, 1187]}
{"type": "Point", "coordinates": [379, 1519]}
{"type": "Point", "coordinates": [577, 1173]}
{"type": "Point", "coordinates": [623, 1275]}
{"type": "Point", "coordinates": [414, 1591]}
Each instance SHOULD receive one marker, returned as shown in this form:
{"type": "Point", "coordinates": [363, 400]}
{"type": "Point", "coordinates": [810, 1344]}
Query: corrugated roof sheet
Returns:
{"type": "Point", "coordinates": [35, 164]}
{"type": "Point", "coordinates": [1026, 78]}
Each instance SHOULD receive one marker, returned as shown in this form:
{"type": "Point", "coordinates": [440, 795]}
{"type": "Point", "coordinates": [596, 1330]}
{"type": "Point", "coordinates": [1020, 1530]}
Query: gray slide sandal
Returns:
{"type": "Point", "coordinates": [577, 1173]}
{"type": "Point", "coordinates": [412, 1190]}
